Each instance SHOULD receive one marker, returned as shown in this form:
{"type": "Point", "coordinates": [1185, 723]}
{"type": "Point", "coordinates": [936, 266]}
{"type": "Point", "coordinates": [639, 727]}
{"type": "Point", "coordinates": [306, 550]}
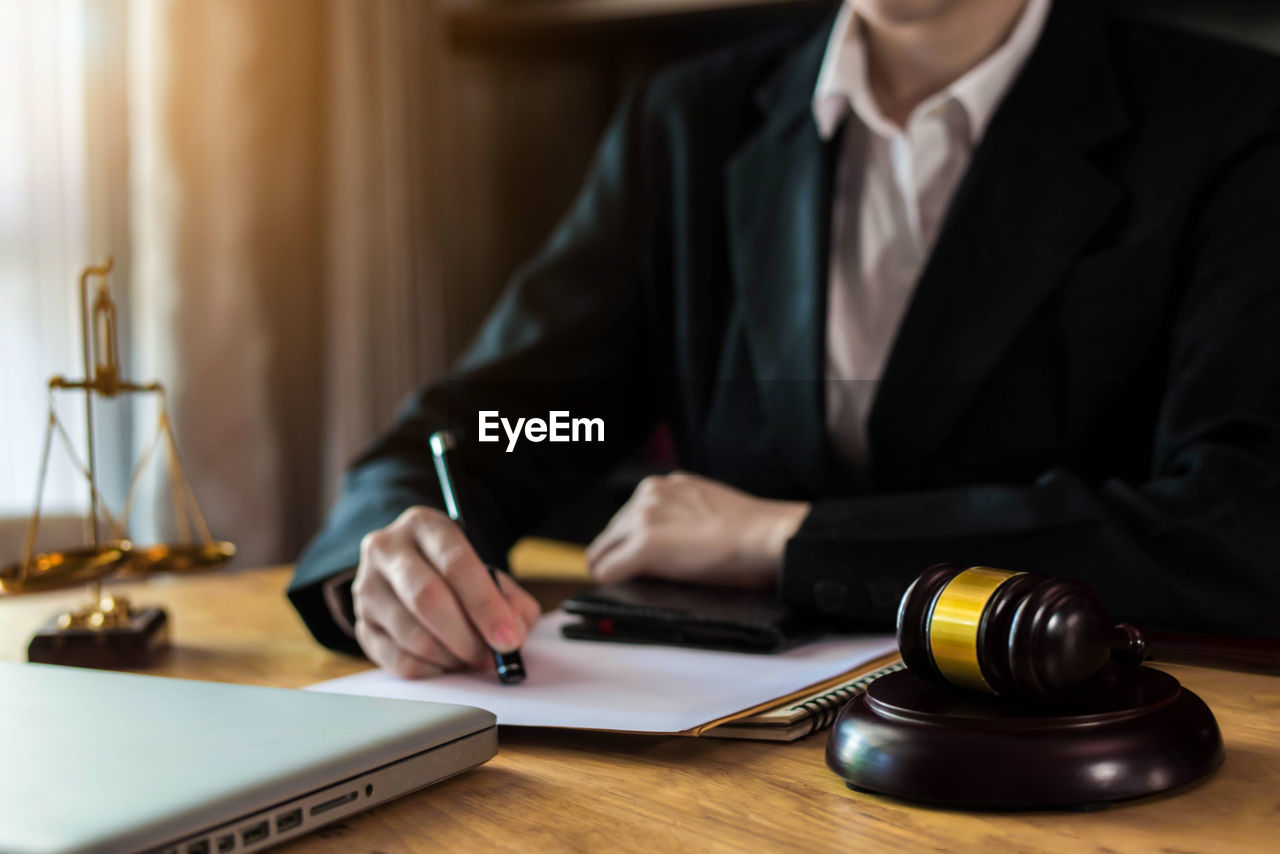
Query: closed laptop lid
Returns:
{"type": "Point", "coordinates": [118, 761]}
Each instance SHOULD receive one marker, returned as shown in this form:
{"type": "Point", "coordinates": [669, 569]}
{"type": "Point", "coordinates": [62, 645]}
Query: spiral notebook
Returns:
{"type": "Point", "coordinates": [805, 715]}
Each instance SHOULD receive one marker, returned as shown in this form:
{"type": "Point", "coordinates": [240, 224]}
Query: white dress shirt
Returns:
{"type": "Point", "coordinates": [893, 187]}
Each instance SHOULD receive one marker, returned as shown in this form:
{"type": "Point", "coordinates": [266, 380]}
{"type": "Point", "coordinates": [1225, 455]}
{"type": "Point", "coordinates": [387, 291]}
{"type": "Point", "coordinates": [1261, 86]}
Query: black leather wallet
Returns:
{"type": "Point", "coordinates": [680, 615]}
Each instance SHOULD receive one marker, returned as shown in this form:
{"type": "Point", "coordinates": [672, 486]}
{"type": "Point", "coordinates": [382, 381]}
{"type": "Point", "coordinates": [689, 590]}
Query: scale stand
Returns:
{"type": "Point", "coordinates": [108, 631]}
{"type": "Point", "coordinates": [106, 634]}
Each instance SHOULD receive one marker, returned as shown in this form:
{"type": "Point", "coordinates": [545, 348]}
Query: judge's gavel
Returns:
{"type": "Point", "coordinates": [1022, 635]}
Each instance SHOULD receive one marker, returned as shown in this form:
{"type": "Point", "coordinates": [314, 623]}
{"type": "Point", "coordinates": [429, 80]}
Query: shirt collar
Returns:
{"type": "Point", "coordinates": [843, 85]}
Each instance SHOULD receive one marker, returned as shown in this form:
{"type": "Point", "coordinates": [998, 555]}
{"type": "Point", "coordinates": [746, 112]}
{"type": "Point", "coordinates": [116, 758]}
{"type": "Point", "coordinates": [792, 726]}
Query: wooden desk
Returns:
{"type": "Point", "coordinates": [585, 792]}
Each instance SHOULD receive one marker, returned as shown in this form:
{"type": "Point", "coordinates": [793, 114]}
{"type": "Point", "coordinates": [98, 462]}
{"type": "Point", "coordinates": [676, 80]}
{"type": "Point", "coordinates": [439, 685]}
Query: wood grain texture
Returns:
{"type": "Point", "coordinates": [559, 790]}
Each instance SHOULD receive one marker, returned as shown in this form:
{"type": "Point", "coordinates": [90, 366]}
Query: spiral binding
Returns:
{"type": "Point", "coordinates": [823, 710]}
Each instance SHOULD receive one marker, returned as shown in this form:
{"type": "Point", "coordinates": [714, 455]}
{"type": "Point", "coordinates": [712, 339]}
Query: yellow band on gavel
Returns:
{"type": "Point", "coordinates": [953, 625]}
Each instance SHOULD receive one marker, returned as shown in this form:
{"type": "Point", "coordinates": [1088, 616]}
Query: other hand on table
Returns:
{"type": "Point", "coordinates": [684, 527]}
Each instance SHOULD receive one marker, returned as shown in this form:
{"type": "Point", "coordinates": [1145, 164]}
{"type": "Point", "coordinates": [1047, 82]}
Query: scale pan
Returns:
{"type": "Point", "coordinates": [180, 558]}
{"type": "Point", "coordinates": [67, 568]}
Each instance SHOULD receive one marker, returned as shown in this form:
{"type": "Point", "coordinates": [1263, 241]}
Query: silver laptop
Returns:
{"type": "Point", "coordinates": [93, 761]}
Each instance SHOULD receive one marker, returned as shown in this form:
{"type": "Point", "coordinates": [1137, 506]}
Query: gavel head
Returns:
{"type": "Point", "coordinates": [1009, 633]}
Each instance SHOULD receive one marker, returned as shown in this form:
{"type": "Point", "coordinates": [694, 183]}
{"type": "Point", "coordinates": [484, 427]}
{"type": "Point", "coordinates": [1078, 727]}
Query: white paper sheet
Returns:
{"type": "Point", "coordinates": [617, 686]}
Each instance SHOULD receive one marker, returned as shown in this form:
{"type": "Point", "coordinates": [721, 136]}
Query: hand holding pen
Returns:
{"type": "Point", "coordinates": [426, 604]}
{"type": "Point", "coordinates": [509, 664]}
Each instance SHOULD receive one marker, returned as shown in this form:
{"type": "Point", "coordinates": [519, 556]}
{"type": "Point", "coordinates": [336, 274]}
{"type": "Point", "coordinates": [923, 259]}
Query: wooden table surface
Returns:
{"type": "Point", "coordinates": [550, 790]}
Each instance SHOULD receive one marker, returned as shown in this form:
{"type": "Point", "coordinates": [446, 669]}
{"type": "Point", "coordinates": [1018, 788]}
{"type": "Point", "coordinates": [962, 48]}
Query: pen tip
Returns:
{"type": "Point", "coordinates": [510, 671]}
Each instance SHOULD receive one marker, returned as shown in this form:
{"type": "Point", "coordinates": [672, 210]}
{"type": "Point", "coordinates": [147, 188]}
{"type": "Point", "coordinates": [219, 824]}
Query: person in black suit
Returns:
{"type": "Point", "coordinates": [984, 281]}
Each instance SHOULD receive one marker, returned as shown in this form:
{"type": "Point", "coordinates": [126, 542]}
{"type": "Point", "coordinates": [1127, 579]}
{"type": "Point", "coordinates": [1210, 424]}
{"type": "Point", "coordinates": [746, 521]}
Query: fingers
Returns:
{"type": "Point", "coordinates": [521, 601]}
{"type": "Point", "coordinates": [648, 494]}
{"type": "Point", "coordinates": [426, 599]}
{"type": "Point", "coordinates": [398, 591]}
{"type": "Point", "coordinates": [612, 533]}
{"type": "Point", "coordinates": [608, 539]}
{"type": "Point", "coordinates": [633, 556]}
{"type": "Point", "coordinates": [468, 579]}
{"type": "Point", "coordinates": [379, 605]}
{"type": "Point", "coordinates": [621, 550]}
{"type": "Point", "coordinates": [425, 603]}
{"type": "Point", "coordinates": [382, 650]}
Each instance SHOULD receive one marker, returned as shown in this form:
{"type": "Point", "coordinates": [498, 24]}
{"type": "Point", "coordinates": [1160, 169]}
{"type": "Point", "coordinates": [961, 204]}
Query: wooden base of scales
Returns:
{"type": "Point", "coordinates": [108, 631]}
{"type": "Point", "coordinates": [105, 634]}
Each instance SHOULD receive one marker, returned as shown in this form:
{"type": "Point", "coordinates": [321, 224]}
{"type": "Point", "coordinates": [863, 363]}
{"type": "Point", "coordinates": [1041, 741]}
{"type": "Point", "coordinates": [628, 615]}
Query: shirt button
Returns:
{"type": "Point", "coordinates": [829, 595]}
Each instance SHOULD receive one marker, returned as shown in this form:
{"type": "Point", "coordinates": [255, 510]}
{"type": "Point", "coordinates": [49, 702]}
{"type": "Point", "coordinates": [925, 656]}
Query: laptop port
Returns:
{"type": "Point", "coordinates": [226, 842]}
{"type": "Point", "coordinates": [256, 833]}
{"type": "Point", "coordinates": [288, 820]}
{"type": "Point", "coordinates": [201, 847]}
{"type": "Point", "coordinates": [334, 803]}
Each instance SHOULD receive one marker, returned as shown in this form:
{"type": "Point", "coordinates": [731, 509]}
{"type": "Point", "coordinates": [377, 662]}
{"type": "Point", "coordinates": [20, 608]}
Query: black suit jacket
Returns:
{"type": "Point", "coordinates": [1087, 381]}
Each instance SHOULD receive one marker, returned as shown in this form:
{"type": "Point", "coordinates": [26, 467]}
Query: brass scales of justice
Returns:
{"type": "Point", "coordinates": [108, 631]}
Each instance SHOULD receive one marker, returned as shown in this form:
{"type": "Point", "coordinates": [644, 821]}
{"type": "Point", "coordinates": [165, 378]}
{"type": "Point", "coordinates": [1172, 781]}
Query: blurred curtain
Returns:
{"type": "Point", "coordinates": [387, 297]}
{"type": "Point", "coordinates": [61, 156]}
{"type": "Point", "coordinates": [285, 285]}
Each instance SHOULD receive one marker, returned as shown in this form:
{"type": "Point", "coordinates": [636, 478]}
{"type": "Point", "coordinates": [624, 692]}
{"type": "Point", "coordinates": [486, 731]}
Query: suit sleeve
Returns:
{"type": "Point", "coordinates": [568, 335]}
{"type": "Point", "coordinates": [1196, 546]}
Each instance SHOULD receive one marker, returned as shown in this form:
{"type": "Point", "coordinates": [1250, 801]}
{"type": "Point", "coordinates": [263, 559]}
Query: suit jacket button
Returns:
{"type": "Point", "coordinates": [886, 592]}
{"type": "Point", "coordinates": [829, 595]}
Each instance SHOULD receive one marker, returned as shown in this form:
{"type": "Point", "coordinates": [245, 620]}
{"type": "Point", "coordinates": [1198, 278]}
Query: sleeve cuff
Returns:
{"type": "Point", "coordinates": [341, 604]}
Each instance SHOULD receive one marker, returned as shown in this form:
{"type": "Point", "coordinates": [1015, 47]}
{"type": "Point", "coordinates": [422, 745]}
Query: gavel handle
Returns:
{"type": "Point", "coordinates": [1257, 655]}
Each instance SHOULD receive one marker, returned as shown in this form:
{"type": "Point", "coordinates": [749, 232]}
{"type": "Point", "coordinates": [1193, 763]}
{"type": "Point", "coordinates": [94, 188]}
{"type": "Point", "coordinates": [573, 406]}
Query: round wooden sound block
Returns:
{"type": "Point", "coordinates": [1135, 731]}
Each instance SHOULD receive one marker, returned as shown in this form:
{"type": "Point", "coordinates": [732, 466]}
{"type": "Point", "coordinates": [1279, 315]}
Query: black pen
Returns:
{"type": "Point", "coordinates": [444, 446]}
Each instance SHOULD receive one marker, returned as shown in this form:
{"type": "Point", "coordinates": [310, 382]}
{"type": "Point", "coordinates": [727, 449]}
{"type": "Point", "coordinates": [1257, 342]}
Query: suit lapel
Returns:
{"type": "Point", "coordinates": [999, 258]}
{"type": "Point", "coordinates": [1031, 201]}
{"type": "Point", "coordinates": [778, 198]}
